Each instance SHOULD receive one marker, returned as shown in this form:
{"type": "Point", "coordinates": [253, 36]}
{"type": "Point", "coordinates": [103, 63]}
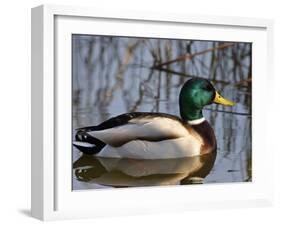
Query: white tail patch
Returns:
{"type": "Point", "coordinates": [83, 144]}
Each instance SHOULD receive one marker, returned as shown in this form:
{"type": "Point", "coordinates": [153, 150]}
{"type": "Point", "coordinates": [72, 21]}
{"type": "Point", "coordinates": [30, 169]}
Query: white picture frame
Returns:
{"type": "Point", "coordinates": [52, 197]}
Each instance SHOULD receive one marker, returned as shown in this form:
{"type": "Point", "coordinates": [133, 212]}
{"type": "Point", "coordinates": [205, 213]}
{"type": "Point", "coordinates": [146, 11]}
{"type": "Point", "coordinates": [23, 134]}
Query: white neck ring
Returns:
{"type": "Point", "coordinates": [196, 121]}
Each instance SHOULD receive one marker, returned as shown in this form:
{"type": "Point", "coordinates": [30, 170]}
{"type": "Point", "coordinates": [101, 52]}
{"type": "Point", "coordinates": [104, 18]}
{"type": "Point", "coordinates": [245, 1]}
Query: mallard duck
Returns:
{"type": "Point", "coordinates": [150, 135]}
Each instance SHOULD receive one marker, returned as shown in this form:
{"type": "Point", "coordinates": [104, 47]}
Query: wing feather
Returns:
{"type": "Point", "coordinates": [141, 128]}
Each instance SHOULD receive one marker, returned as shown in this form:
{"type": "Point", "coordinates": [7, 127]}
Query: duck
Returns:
{"type": "Point", "coordinates": [156, 135]}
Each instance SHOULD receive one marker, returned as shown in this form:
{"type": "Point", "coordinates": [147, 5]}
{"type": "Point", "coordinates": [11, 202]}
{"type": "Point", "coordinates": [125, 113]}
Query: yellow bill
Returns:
{"type": "Point", "coordinates": [220, 100]}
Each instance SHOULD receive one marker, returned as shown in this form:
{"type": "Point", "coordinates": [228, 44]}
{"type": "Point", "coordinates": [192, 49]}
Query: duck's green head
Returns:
{"type": "Point", "coordinates": [197, 93]}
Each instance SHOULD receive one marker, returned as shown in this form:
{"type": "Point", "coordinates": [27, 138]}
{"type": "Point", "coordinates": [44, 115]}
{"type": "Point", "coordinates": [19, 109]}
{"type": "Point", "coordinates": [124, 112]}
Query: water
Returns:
{"type": "Point", "coordinates": [113, 75]}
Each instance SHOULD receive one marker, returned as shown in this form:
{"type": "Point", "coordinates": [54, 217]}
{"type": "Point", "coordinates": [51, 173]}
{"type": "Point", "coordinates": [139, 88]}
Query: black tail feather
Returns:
{"type": "Point", "coordinates": [87, 144]}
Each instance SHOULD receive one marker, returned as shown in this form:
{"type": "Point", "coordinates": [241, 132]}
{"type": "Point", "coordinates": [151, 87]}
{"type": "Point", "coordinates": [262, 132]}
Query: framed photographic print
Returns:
{"type": "Point", "coordinates": [135, 112]}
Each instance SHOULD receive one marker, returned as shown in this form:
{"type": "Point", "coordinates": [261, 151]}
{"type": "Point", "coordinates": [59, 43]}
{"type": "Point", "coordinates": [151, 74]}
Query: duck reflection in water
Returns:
{"type": "Point", "coordinates": [115, 172]}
